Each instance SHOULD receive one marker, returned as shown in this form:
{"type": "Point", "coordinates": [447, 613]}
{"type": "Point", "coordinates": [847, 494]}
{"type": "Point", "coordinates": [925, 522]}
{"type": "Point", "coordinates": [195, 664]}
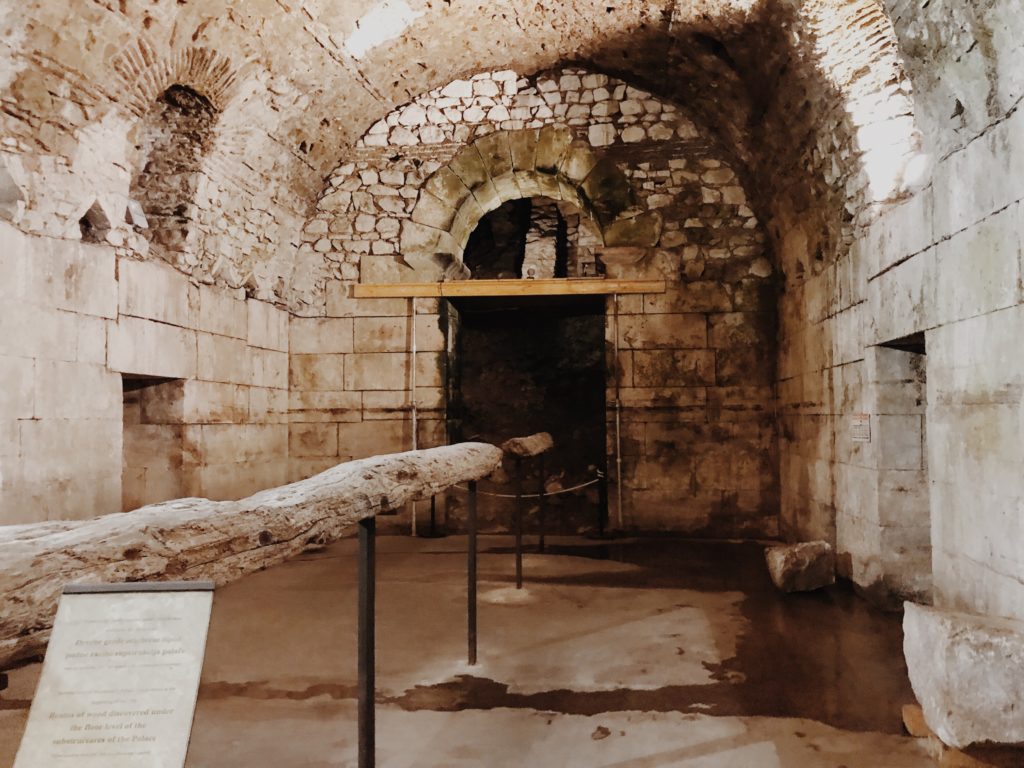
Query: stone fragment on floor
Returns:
{"type": "Point", "coordinates": [968, 674]}
{"type": "Point", "coordinates": [802, 567]}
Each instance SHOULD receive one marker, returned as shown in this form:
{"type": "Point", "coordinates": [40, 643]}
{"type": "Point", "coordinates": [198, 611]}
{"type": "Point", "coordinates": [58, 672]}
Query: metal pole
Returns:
{"type": "Point", "coordinates": [602, 502]}
{"type": "Point", "coordinates": [542, 504]}
{"type": "Point", "coordinates": [618, 422]}
{"type": "Point", "coordinates": [415, 410]}
{"type": "Point", "coordinates": [367, 659]}
{"type": "Point", "coordinates": [519, 523]}
{"type": "Point", "coordinates": [471, 586]}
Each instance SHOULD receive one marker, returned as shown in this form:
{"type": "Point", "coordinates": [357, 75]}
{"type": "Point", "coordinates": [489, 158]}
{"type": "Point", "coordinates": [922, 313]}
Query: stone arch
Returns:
{"type": "Point", "coordinates": [509, 165]}
{"type": "Point", "coordinates": [145, 75]}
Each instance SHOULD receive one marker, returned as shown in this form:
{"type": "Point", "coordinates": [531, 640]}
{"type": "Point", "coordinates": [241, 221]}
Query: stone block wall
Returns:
{"type": "Point", "coordinates": [350, 375]}
{"type": "Point", "coordinates": [696, 365]}
{"type": "Point", "coordinates": [935, 497]}
{"type": "Point", "coordinates": [76, 322]}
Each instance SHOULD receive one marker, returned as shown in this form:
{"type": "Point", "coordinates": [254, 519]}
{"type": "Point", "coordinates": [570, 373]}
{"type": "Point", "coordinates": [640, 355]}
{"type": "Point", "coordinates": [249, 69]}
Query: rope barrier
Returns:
{"type": "Point", "coordinates": [532, 495]}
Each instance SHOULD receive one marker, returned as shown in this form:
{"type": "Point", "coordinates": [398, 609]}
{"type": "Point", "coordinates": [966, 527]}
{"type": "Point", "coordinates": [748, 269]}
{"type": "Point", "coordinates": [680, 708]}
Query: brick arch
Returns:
{"type": "Point", "coordinates": [509, 165]}
{"type": "Point", "coordinates": [144, 75]}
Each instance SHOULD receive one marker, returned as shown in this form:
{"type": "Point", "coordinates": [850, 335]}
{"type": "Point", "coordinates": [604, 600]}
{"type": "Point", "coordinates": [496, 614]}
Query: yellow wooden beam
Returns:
{"type": "Point", "coordinates": [584, 286]}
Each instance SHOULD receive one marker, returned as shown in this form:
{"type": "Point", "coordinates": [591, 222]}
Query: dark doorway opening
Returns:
{"type": "Point", "coordinates": [532, 364]}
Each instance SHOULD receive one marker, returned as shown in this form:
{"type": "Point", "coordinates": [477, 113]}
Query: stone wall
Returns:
{"type": "Point", "coordinates": [695, 369]}
{"type": "Point", "coordinates": [75, 320]}
{"type": "Point", "coordinates": [946, 264]}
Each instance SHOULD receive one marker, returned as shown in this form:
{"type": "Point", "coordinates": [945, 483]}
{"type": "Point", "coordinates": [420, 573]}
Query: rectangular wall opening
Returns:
{"type": "Point", "coordinates": [525, 365]}
{"type": "Point", "coordinates": [152, 452]}
{"type": "Point", "coordinates": [904, 504]}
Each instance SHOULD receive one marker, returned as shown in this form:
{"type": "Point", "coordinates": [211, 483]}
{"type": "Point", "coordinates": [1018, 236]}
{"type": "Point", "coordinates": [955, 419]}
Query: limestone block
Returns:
{"type": "Point", "coordinates": [229, 481]}
{"type": "Point", "coordinates": [153, 445]}
{"type": "Point", "coordinates": [900, 441]}
{"type": "Point", "coordinates": [385, 404]}
{"type": "Point", "coordinates": [978, 271]}
{"type": "Point", "coordinates": [267, 326]}
{"type": "Point", "coordinates": [377, 371]}
{"type": "Point", "coordinates": [552, 144]}
{"type": "Point", "coordinates": [336, 406]}
{"type": "Point", "coordinates": [448, 187]}
{"type": "Point", "coordinates": [211, 402]}
{"type": "Point", "coordinates": [469, 166]}
{"type": "Point", "coordinates": [679, 331]}
{"type": "Point", "coordinates": [802, 567]}
{"type": "Point", "coordinates": [148, 348]}
{"type": "Point", "coordinates": [341, 304]}
{"type": "Point", "coordinates": [268, 406]}
{"type": "Point", "coordinates": [56, 450]}
{"type": "Point", "coordinates": [91, 344]}
{"type": "Point", "coordinates": [223, 358]}
{"type": "Point", "coordinates": [17, 388]}
{"type": "Point", "coordinates": [578, 162]}
{"type": "Point", "coordinates": [222, 313]}
{"type": "Point", "coordinates": [73, 276]}
{"type": "Point", "coordinates": [269, 368]}
{"type": "Point", "coordinates": [732, 329]}
{"type": "Point", "coordinates": [318, 372]}
{"type": "Point", "coordinates": [154, 291]}
{"type": "Point", "coordinates": [15, 260]}
{"type": "Point", "coordinates": [608, 190]}
{"type": "Point", "coordinates": [698, 296]}
{"type": "Point", "coordinates": [675, 402]}
{"type": "Point", "coordinates": [531, 184]}
{"type": "Point", "coordinates": [206, 444]}
{"type": "Point", "coordinates": [967, 672]}
{"type": "Point", "coordinates": [523, 146]}
{"type": "Point", "coordinates": [313, 439]}
{"type": "Point", "coordinates": [496, 153]}
{"type": "Point", "coordinates": [434, 212]}
{"type": "Point", "coordinates": [31, 330]}
{"type": "Point", "coordinates": [374, 438]}
{"type": "Point", "coordinates": [602, 134]}
{"type": "Point", "coordinates": [76, 391]}
{"type": "Point", "coordinates": [674, 368]}
{"type": "Point", "coordinates": [311, 335]}
{"type": "Point", "coordinates": [465, 221]}
{"type": "Point", "coordinates": [644, 230]}
{"type": "Point", "coordinates": [383, 334]}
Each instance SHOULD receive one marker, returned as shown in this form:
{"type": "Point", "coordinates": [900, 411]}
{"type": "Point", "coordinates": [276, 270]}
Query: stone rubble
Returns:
{"type": "Point", "coordinates": [802, 567]}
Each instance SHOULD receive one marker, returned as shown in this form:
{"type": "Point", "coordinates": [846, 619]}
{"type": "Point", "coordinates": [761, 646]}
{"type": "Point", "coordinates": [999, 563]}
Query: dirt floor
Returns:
{"type": "Point", "coordinates": [637, 653]}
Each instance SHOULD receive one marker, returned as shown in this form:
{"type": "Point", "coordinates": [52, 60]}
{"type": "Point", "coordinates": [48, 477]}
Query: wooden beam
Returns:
{"type": "Point", "coordinates": [585, 286]}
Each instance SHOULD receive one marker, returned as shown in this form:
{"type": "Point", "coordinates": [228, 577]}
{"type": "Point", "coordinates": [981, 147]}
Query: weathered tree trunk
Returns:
{"type": "Point", "coordinates": [199, 539]}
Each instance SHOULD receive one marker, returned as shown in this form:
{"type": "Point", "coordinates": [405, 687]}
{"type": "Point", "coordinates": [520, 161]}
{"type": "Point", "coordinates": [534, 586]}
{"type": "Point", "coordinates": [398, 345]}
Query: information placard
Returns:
{"type": "Point", "coordinates": [119, 684]}
{"type": "Point", "coordinates": [860, 428]}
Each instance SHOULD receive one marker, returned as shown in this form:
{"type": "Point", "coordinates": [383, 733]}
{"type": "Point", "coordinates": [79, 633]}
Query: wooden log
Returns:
{"type": "Point", "coordinates": [219, 541]}
{"type": "Point", "coordinates": [531, 445]}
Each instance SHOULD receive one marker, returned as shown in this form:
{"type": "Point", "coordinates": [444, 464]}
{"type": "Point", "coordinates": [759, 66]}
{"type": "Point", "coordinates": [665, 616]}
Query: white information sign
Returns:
{"type": "Point", "coordinates": [119, 684]}
{"type": "Point", "coordinates": [860, 428]}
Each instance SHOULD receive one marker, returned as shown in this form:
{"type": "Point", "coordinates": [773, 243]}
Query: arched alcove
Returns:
{"type": "Point", "coordinates": [512, 165]}
{"type": "Point", "coordinates": [534, 238]}
{"type": "Point", "coordinates": [172, 140]}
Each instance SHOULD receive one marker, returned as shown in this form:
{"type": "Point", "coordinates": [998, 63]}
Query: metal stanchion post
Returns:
{"type": "Point", "coordinates": [542, 506]}
{"type": "Point", "coordinates": [519, 523]}
{"type": "Point", "coordinates": [602, 502]}
{"type": "Point", "coordinates": [366, 622]}
{"type": "Point", "coordinates": [471, 586]}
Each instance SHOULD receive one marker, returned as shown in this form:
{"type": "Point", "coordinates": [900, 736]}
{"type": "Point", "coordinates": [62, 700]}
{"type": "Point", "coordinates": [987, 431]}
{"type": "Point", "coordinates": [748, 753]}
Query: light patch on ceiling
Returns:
{"type": "Point", "coordinates": [385, 21]}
